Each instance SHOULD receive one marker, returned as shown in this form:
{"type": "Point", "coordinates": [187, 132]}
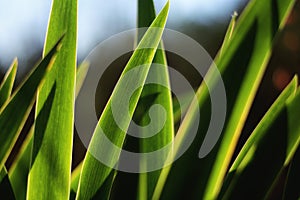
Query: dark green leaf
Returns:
{"type": "Point", "coordinates": [95, 174]}
{"type": "Point", "coordinates": [154, 94]}
{"type": "Point", "coordinates": [8, 83]}
{"type": "Point", "coordinates": [272, 136]}
{"type": "Point", "coordinates": [19, 106]}
{"type": "Point", "coordinates": [242, 65]}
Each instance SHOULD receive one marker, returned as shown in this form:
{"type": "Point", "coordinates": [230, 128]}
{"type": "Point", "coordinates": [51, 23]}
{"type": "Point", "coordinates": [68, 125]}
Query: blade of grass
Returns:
{"type": "Point", "coordinates": [177, 114]}
{"type": "Point", "coordinates": [145, 16]}
{"type": "Point", "coordinates": [187, 96]}
{"type": "Point", "coordinates": [19, 170]}
{"type": "Point", "coordinates": [81, 73]}
{"type": "Point", "coordinates": [266, 122]}
{"type": "Point", "coordinates": [268, 17]}
{"type": "Point", "coordinates": [293, 132]}
{"type": "Point", "coordinates": [21, 103]}
{"type": "Point", "coordinates": [247, 152]}
{"type": "Point", "coordinates": [75, 180]}
{"type": "Point", "coordinates": [94, 173]}
{"type": "Point", "coordinates": [245, 58]}
{"type": "Point", "coordinates": [274, 143]}
{"type": "Point", "coordinates": [53, 136]}
{"type": "Point", "coordinates": [5, 92]}
{"type": "Point", "coordinates": [163, 97]}
{"type": "Point", "coordinates": [228, 34]}
{"type": "Point", "coordinates": [8, 82]}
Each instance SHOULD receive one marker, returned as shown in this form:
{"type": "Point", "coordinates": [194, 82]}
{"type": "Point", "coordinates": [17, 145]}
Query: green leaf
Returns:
{"type": "Point", "coordinates": [263, 142]}
{"type": "Point", "coordinates": [151, 95]}
{"type": "Point", "coordinates": [53, 136]}
{"type": "Point", "coordinates": [177, 108]}
{"type": "Point", "coordinates": [190, 106]}
{"type": "Point", "coordinates": [266, 122]}
{"type": "Point", "coordinates": [21, 102]}
{"type": "Point", "coordinates": [8, 83]}
{"type": "Point", "coordinates": [5, 92]}
{"type": "Point", "coordinates": [260, 22]}
{"type": "Point", "coordinates": [228, 34]}
{"type": "Point", "coordinates": [75, 180]}
{"type": "Point", "coordinates": [94, 173]}
{"type": "Point", "coordinates": [80, 76]}
{"type": "Point", "coordinates": [245, 58]}
{"type": "Point", "coordinates": [19, 170]}
{"type": "Point", "coordinates": [145, 16]}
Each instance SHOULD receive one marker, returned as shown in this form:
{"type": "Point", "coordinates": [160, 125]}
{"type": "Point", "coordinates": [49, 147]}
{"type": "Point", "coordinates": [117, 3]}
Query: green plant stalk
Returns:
{"type": "Point", "coordinates": [247, 154]}
{"type": "Point", "coordinates": [148, 181]}
{"type": "Point", "coordinates": [94, 173]}
{"type": "Point", "coordinates": [266, 122]}
{"type": "Point", "coordinates": [8, 82]}
{"type": "Point", "coordinates": [21, 102]}
{"type": "Point", "coordinates": [53, 136]}
{"type": "Point", "coordinates": [228, 34]}
{"type": "Point", "coordinates": [254, 15]}
{"type": "Point", "coordinates": [81, 73]}
{"type": "Point", "coordinates": [21, 165]}
{"type": "Point", "coordinates": [267, 144]}
{"type": "Point", "coordinates": [191, 110]}
{"type": "Point", "coordinates": [5, 92]}
{"type": "Point", "coordinates": [248, 89]}
{"type": "Point", "coordinates": [19, 170]}
{"type": "Point", "coordinates": [75, 177]}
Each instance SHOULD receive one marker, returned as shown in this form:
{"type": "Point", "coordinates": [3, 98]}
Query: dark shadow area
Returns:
{"type": "Point", "coordinates": [292, 184]}
{"type": "Point", "coordinates": [263, 169]}
{"type": "Point", "coordinates": [197, 175]}
{"type": "Point", "coordinates": [6, 190]}
{"type": "Point", "coordinates": [41, 123]}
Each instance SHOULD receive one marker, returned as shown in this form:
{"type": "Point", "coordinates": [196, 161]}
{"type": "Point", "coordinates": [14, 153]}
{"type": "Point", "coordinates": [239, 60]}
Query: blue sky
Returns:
{"type": "Point", "coordinates": [23, 23]}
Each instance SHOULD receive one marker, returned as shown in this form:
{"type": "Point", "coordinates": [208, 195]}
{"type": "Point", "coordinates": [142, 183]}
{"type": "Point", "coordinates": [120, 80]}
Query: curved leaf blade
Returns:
{"type": "Point", "coordinates": [8, 82]}
{"type": "Point", "coordinates": [21, 102]}
{"type": "Point", "coordinates": [50, 168]}
{"type": "Point", "coordinates": [94, 174]}
{"type": "Point", "coordinates": [5, 92]}
{"type": "Point", "coordinates": [81, 73]}
{"type": "Point", "coordinates": [20, 168]}
{"type": "Point", "coordinates": [246, 57]}
{"type": "Point", "coordinates": [249, 156]}
{"type": "Point", "coordinates": [275, 148]}
{"type": "Point", "coordinates": [163, 97]}
{"type": "Point", "coordinates": [266, 122]}
{"type": "Point", "coordinates": [265, 18]}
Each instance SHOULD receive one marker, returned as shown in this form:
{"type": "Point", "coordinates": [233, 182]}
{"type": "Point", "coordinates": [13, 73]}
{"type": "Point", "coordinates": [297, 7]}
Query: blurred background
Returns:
{"type": "Point", "coordinates": [23, 25]}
